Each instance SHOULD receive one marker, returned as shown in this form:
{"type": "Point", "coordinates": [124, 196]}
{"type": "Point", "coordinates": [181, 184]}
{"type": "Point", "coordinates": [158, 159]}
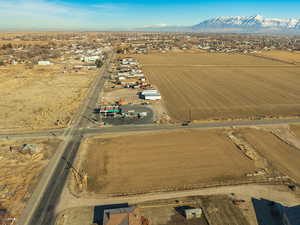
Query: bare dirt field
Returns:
{"type": "Point", "coordinates": [204, 59]}
{"type": "Point", "coordinates": [76, 216]}
{"type": "Point", "coordinates": [167, 212]}
{"type": "Point", "coordinates": [39, 98]}
{"type": "Point", "coordinates": [296, 130]}
{"type": "Point", "coordinates": [20, 170]}
{"type": "Point", "coordinates": [287, 56]}
{"type": "Point", "coordinates": [219, 87]}
{"type": "Point", "coordinates": [128, 95]}
{"type": "Point", "coordinates": [281, 156]}
{"type": "Point", "coordinates": [139, 163]}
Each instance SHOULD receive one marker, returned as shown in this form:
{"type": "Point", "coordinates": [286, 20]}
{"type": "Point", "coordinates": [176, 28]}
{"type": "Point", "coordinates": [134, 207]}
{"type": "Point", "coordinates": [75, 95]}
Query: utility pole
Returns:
{"type": "Point", "coordinates": [70, 166]}
{"type": "Point", "coordinates": [80, 178]}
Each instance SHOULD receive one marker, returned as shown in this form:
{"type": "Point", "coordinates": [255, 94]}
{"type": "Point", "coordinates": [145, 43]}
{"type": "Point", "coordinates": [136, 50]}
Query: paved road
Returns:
{"type": "Point", "coordinates": [153, 127]}
{"type": "Point", "coordinates": [40, 208]}
{"type": "Point", "coordinates": [147, 127]}
{"type": "Point", "coordinates": [36, 134]}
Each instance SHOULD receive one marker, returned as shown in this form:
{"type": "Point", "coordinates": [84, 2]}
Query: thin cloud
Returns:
{"type": "Point", "coordinates": [156, 25]}
{"type": "Point", "coordinates": [42, 14]}
{"type": "Point", "coordinates": [109, 6]}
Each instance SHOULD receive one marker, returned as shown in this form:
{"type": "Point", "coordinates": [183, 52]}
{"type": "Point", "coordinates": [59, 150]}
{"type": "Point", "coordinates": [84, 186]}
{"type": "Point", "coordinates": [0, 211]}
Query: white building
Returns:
{"type": "Point", "coordinates": [121, 78]}
{"type": "Point", "coordinates": [150, 95]}
{"type": "Point", "coordinates": [123, 73]}
{"type": "Point", "coordinates": [90, 58]}
{"type": "Point", "coordinates": [151, 91]}
{"type": "Point", "coordinates": [193, 213]}
{"type": "Point", "coordinates": [44, 63]}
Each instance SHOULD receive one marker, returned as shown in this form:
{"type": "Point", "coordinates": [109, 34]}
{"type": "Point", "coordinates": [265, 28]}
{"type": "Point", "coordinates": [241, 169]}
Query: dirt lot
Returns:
{"type": "Point", "coordinates": [281, 156]}
{"type": "Point", "coordinates": [76, 216]}
{"type": "Point", "coordinates": [166, 213]}
{"type": "Point", "coordinates": [218, 209]}
{"type": "Point", "coordinates": [287, 56]}
{"type": "Point", "coordinates": [128, 95]}
{"type": "Point", "coordinates": [20, 171]}
{"type": "Point", "coordinates": [219, 87]}
{"type": "Point", "coordinates": [38, 98]}
{"type": "Point", "coordinates": [139, 163]}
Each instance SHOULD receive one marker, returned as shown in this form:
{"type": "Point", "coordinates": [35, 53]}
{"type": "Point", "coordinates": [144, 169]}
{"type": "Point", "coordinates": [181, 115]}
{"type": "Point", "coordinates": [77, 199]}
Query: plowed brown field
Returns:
{"type": "Point", "coordinates": [282, 156]}
{"type": "Point", "coordinates": [296, 130]}
{"type": "Point", "coordinates": [291, 57]}
{"type": "Point", "coordinates": [163, 161]}
{"type": "Point", "coordinates": [219, 86]}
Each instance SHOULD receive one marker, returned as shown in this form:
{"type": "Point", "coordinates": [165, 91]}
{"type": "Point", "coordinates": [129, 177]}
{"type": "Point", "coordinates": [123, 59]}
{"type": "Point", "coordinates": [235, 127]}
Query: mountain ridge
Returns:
{"type": "Point", "coordinates": [239, 24]}
{"type": "Point", "coordinates": [256, 22]}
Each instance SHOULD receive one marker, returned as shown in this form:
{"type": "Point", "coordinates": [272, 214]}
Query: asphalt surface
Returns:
{"type": "Point", "coordinates": [132, 120]}
{"type": "Point", "coordinates": [153, 127]}
{"type": "Point", "coordinates": [147, 127]}
{"type": "Point", "coordinates": [41, 206]}
{"type": "Point", "coordinates": [36, 134]}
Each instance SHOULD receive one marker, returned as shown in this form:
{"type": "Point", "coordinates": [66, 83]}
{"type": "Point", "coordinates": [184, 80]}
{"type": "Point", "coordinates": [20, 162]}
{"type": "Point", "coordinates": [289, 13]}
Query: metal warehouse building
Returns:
{"type": "Point", "coordinates": [150, 95]}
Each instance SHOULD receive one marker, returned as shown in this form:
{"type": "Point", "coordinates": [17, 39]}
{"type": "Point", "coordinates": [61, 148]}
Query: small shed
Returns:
{"type": "Point", "coordinates": [193, 213]}
{"type": "Point", "coordinates": [29, 148]}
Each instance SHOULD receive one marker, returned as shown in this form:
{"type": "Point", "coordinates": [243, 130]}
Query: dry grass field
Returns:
{"type": "Point", "coordinates": [220, 86]}
{"type": "Point", "coordinates": [292, 57]}
{"type": "Point", "coordinates": [20, 172]}
{"type": "Point", "coordinates": [37, 98]}
{"type": "Point", "coordinates": [281, 156]}
{"type": "Point", "coordinates": [139, 163]}
{"type": "Point", "coordinates": [17, 42]}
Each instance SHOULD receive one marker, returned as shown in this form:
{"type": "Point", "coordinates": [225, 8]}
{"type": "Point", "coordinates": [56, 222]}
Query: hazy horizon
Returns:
{"type": "Point", "coordinates": [69, 15]}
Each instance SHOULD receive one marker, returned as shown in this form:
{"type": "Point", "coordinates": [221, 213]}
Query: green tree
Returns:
{"type": "Point", "coordinates": [98, 63]}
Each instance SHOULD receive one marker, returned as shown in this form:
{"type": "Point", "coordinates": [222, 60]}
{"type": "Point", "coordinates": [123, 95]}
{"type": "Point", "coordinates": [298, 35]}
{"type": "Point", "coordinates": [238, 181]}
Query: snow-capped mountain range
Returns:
{"type": "Point", "coordinates": [255, 23]}
{"type": "Point", "coordinates": [239, 24]}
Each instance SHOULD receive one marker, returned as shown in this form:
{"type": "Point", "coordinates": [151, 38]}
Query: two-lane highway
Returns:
{"type": "Point", "coordinates": [40, 208]}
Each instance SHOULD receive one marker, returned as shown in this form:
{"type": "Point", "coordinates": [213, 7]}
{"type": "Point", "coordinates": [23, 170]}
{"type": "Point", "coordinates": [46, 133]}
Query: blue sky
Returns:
{"type": "Point", "coordinates": [128, 14]}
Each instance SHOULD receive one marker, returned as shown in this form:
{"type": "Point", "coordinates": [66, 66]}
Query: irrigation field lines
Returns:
{"type": "Point", "coordinates": [237, 91]}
